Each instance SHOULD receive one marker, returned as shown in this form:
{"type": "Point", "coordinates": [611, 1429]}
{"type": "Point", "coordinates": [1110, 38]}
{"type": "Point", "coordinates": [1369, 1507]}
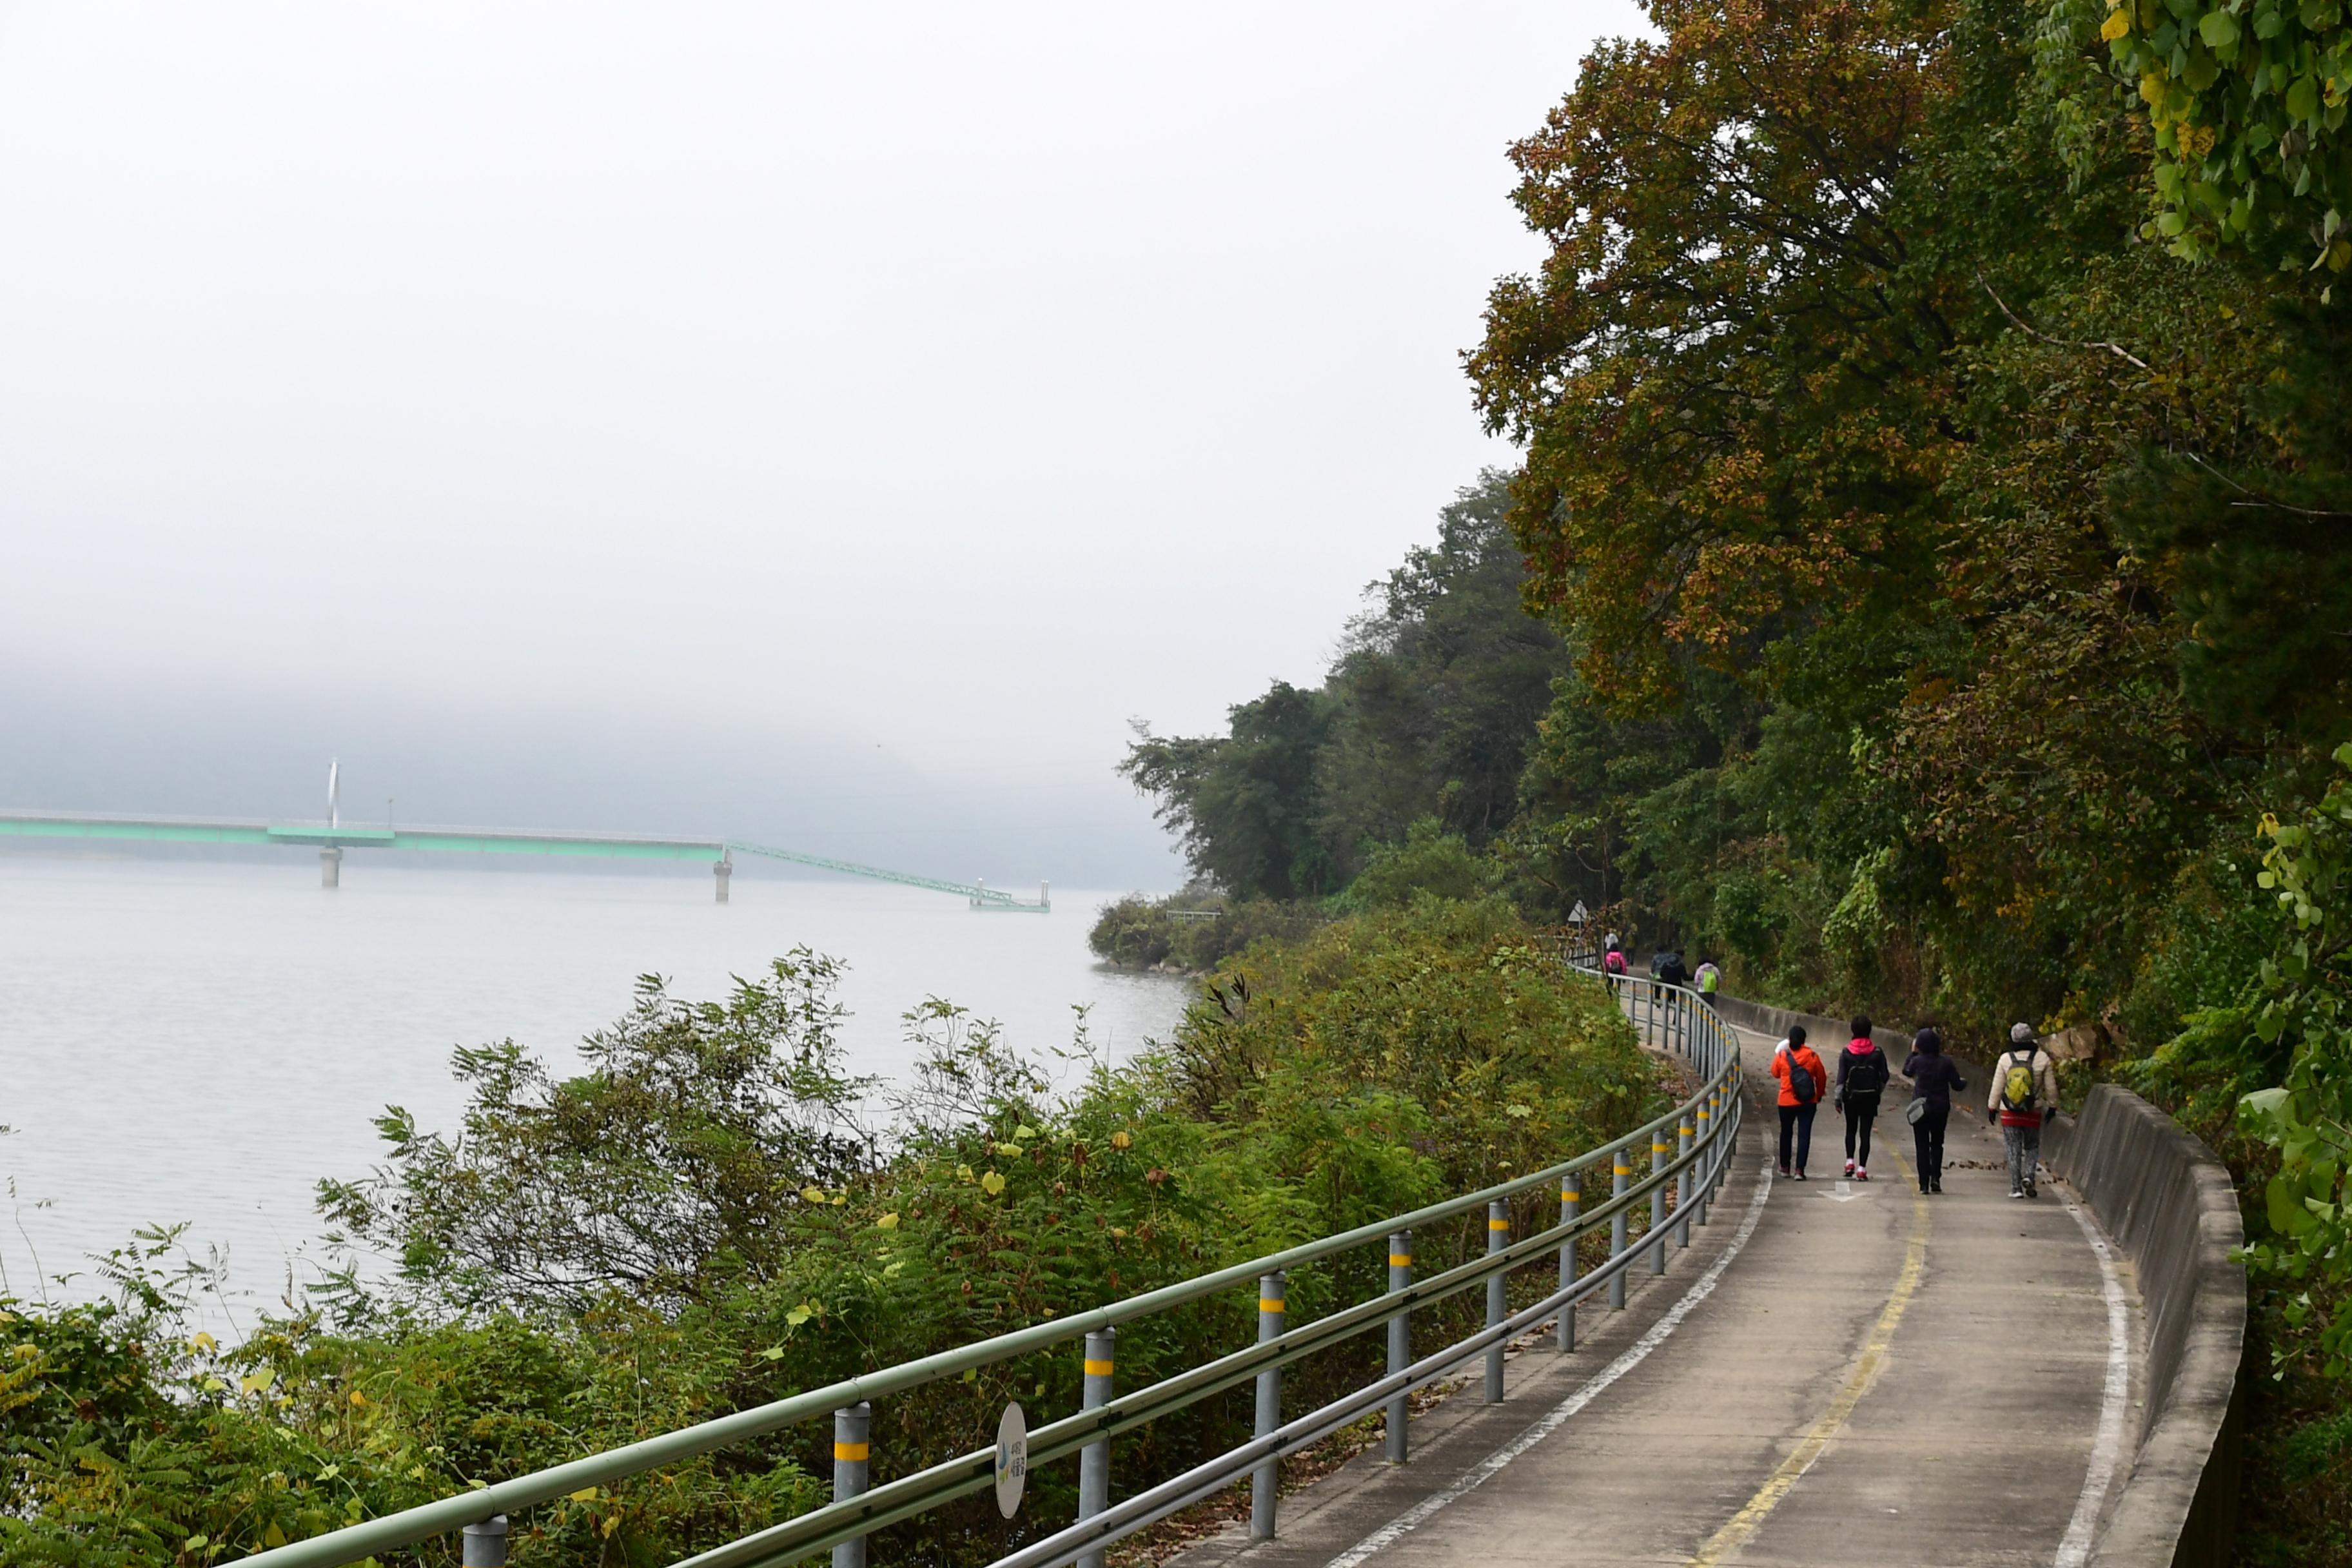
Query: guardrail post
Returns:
{"type": "Point", "coordinates": [1682, 1184]}
{"type": "Point", "coordinates": [1265, 1485]}
{"type": "Point", "coordinates": [1733, 1116]}
{"type": "Point", "coordinates": [1399, 1339]}
{"type": "Point", "coordinates": [1657, 1233]}
{"type": "Point", "coordinates": [1707, 1156]}
{"type": "Point", "coordinates": [485, 1543]}
{"type": "Point", "coordinates": [1571, 1196]}
{"type": "Point", "coordinates": [852, 1429]}
{"type": "Point", "coordinates": [1618, 1172]}
{"type": "Point", "coordinates": [1498, 1237]}
{"type": "Point", "coordinates": [1094, 1460]}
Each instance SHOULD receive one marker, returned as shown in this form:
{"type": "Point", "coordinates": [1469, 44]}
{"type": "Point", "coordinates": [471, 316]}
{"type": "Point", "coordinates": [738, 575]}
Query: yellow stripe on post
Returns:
{"type": "Point", "coordinates": [1098, 1369]}
{"type": "Point", "coordinates": [1657, 1145]}
{"type": "Point", "coordinates": [1570, 1195]}
{"type": "Point", "coordinates": [855, 1452]}
{"type": "Point", "coordinates": [1400, 1259]}
{"type": "Point", "coordinates": [1498, 1224]}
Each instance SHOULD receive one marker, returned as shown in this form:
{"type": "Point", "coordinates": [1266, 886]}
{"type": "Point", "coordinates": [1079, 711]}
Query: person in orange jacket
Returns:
{"type": "Point", "coordinates": [1802, 1077]}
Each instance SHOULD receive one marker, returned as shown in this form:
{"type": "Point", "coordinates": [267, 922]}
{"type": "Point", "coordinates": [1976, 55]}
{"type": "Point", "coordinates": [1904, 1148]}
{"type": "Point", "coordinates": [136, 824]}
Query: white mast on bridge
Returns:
{"type": "Point", "coordinates": [331, 856]}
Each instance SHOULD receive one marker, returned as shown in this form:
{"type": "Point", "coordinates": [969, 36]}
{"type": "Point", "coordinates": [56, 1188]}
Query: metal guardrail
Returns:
{"type": "Point", "coordinates": [1682, 1180]}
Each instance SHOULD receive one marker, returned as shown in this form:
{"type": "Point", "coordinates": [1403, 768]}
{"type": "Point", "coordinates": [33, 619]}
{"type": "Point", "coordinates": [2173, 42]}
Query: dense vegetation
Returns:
{"type": "Point", "coordinates": [1937, 416]}
{"type": "Point", "coordinates": [699, 1222]}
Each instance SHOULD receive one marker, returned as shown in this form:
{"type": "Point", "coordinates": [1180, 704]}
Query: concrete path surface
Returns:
{"type": "Point", "coordinates": [1832, 1374]}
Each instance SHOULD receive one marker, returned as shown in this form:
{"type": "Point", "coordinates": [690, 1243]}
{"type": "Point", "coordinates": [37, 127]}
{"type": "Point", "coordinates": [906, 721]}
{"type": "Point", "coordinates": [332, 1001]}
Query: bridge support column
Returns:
{"type": "Point", "coordinates": [331, 866]}
{"type": "Point", "coordinates": [1619, 1172]}
{"type": "Point", "coordinates": [1094, 1460]}
{"type": "Point", "coordinates": [1265, 1483]}
{"type": "Point", "coordinates": [1400, 1340]}
{"type": "Point", "coordinates": [1498, 1237]}
{"type": "Point", "coordinates": [722, 871]}
{"type": "Point", "coordinates": [851, 1429]}
{"type": "Point", "coordinates": [1572, 1199]}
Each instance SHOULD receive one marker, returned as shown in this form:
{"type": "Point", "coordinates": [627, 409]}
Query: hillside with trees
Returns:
{"type": "Point", "coordinates": [1927, 585]}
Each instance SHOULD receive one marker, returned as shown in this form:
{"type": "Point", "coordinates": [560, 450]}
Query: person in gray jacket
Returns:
{"type": "Point", "coordinates": [2024, 1097]}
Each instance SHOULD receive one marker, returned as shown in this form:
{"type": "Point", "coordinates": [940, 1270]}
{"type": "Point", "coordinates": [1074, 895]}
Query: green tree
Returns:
{"type": "Point", "coordinates": [1243, 803]}
{"type": "Point", "coordinates": [1428, 710]}
{"type": "Point", "coordinates": [2246, 101]}
{"type": "Point", "coordinates": [2301, 1006]}
{"type": "Point", "coordinates": [658, 1174]}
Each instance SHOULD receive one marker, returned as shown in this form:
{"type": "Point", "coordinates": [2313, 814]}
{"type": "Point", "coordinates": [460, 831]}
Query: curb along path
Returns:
{"type": "Point", "coordinates": [1832, 1374]}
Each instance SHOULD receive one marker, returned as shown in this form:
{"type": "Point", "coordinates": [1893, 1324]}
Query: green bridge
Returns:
{"type": "Point", "coordinates": [331, 838]}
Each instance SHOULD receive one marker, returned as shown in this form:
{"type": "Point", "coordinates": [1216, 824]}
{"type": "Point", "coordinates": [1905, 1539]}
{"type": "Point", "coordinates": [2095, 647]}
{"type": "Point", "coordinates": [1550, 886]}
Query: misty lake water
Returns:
{"type": "Point", "coordinates": [202, 1041]}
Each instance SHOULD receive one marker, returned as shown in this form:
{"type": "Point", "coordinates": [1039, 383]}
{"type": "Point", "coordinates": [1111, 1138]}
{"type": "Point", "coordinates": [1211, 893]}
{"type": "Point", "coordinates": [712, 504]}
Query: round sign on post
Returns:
{"type": "Point", "coordinates": [1012, 1460]}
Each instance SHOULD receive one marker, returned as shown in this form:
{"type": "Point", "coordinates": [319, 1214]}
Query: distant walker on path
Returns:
{"type": "Point", "coordinates": [1862, 1077]}
{"type": "Point", "coordinates": [2025, 1094]}
{"type": "Point", "coordinates": [1802, 1079]}
{"type": "Point", "coordinates": [1935, 1078]}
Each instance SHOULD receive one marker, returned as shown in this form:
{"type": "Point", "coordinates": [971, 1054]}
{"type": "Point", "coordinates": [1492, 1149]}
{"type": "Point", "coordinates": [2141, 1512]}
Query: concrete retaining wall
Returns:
{"type": "Point", "coordinates": [2167, 1200]}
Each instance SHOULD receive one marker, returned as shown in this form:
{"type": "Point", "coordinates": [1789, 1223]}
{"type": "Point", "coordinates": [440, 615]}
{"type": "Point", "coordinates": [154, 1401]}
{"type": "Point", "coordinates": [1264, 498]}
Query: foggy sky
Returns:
{"type": "Point", "coordinates": [829, 424]}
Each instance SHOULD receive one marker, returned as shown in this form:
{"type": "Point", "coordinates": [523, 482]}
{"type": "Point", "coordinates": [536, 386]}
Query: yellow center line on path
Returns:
{"type": "Point", "coordinates": [1743, 1525]}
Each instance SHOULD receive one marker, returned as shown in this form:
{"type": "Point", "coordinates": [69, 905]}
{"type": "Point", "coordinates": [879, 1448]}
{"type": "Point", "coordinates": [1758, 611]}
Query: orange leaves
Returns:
{"type": "Point", "coordinates": [1699, 370]}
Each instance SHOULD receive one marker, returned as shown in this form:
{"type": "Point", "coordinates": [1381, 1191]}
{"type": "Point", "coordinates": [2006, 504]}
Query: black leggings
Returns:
{"type": "Point", "coordinates": [1927, 1137]}
{"type": "Point", "coordinates": [1798, 1120]}
{"type": "Point", "coordinates": [1860, 1110]}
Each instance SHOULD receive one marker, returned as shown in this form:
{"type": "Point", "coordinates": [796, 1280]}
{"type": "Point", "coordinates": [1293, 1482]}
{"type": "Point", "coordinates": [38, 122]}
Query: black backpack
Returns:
{"type": "Point", "coordinates": [1866, 1075]}
{"type": "Point", "coordinates": [1801, 1082]}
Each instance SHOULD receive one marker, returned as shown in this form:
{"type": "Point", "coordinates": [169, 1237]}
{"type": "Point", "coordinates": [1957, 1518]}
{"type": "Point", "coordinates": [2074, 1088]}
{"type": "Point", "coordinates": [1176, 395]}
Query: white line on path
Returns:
{"type": "Point", "coordinates": [1631, 1356]}
{"type": "Point", "coordinates": [2075, 1547]}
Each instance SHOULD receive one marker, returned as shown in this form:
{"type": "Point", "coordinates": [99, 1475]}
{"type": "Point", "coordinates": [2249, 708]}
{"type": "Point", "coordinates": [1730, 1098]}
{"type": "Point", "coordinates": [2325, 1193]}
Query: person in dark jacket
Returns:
{"type": "Point", "coordinates": [1861, 1075]}
{"type": "Point", "coordinates": [1935, 1078]}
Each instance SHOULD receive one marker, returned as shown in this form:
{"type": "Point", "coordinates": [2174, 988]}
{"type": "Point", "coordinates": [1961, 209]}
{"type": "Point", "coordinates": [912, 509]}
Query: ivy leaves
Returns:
{"type": "Point", "coordinates": [2247, 100]}
{"type": "Point", "coordinates": [2304, 997]}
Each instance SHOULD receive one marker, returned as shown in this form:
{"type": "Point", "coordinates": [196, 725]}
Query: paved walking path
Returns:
{"type": "Point", "coordinates": [1832, 1374]}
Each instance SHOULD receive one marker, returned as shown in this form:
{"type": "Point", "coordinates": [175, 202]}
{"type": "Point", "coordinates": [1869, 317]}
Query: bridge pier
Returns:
{"type": "Point", "coordinates": [722, 870]}
{"type": "Point", "coordinates": [331, 866]}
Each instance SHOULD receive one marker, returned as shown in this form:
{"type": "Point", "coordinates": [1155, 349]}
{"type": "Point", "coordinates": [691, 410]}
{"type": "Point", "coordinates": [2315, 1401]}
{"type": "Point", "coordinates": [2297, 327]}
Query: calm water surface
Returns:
{"type": "Point", "coordinates": [202, 1042]}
